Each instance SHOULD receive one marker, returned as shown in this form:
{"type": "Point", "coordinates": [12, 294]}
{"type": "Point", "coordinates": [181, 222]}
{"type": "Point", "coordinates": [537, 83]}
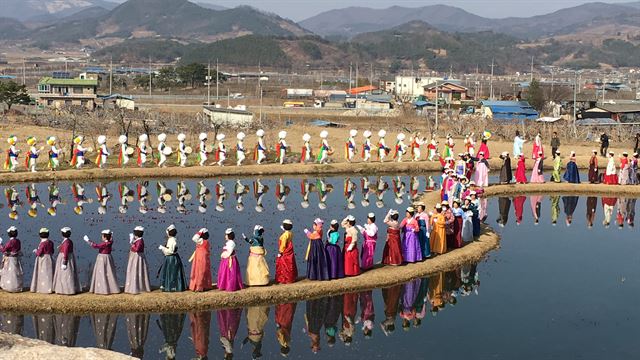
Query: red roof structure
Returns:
{"type": "Point", "coordinates": [362, 89]}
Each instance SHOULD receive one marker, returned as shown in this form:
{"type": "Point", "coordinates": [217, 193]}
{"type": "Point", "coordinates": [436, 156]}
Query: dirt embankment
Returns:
{"type": "Point", "coordinates": [18, 347]}
{"type": "Point", "coordinates": [157, 301]}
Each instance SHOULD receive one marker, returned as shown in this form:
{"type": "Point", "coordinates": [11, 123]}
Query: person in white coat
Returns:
{"type": "Point", "coordinates": [306, 149]}
{"type": "Point", "coordinates": [33, 153]}
{"type": "Point", "coordinates": [401, 147]}
{"type": "Point", "coordinates": [54, 153]}
{"type": "Point", "coordinates": [124, 153]}
{"type": "Point", "coordinates": [351, 145]}
{"type": "Point", "coordinates": [103, 152]}
{"type": "Point", "coordinates": [222, 150]}
{"type": "Point", "coordinates": [79, 152]}
{"type": "Point", "coordinates": [162, 148]}
{"type": "Point", "coordinates": [382, 146]}
{"type": "Point", "coordinates": [366, 146]}
{"type": "Point", "coordinates": [202, 149]}
{"type": "Point", "coordinates": [182, 150]}
{"type": "Point", "coordinates": [282, 147]}
{"type": "Point", "coordinates": [323, 157]}
{"type": "Point", "coordinates": [261, 149]}
{"type": "Point", "coordinates": [143, 150]}
{"type": "Point", "coordinates": [240, 150]}
{"type": "Point", "coordinates": [12, 154]}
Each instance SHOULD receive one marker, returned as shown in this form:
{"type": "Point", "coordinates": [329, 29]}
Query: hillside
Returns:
{"type": "Point", "coordinates": [352, 21]}
{"type": "Point", "coordinates": [41, 10]}
{"type": "Point", "coordinates": [170, 19]}
{"type": "Point", "coordinates": [11, 28]}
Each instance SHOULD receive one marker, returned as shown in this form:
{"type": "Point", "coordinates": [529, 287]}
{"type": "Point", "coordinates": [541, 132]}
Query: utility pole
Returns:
{"type": "Point", "coordinates": [217, 80]}
{"type": "Point", "coordinates": [111, 76]}
{"type": "Point", "coordinates": [24, 73]}
{"type": "Point", "coordinates": [150, 76]}
{"type": "Point", "coordinates": [575, 98]}
{"type": "Point", "coordinates": [350, 74]}
{"type": "Point", "coordinates": [436, 127]}
{"type": "Point", "coordinates": [260, 88]}
{"type": "Point", "coordinates": [491, 82]}
{"type": "Point", "coordinates": [356, 88]}
{"type": "Point", "coordinates": [209, 83]}
{"type": "Point", "coordinates": [531, 75]}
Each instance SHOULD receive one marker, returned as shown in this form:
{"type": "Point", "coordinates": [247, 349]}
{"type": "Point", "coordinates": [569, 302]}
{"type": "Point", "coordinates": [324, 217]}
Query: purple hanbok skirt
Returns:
{"type": "Point", "coordinates": [65, 282]}
{"type": "Point", "coordinates": [229, 275]}
{"type": "Point", "coordinates": [11, 274]}
{"type": "Point", "coordinates": [317, 261]}
{"type": "Point", "coordinates": [104, 280]}
{"type": "Point", "coordinates": [335, 261]}
{"type": "Point", "coordinates": [137, 280]}
{"type": "Point", "coordinates": [410, 246]}
{"type": "Point", "coordinates": [368, 251]}
{"type": "Point", "coordinates": [42, 279]}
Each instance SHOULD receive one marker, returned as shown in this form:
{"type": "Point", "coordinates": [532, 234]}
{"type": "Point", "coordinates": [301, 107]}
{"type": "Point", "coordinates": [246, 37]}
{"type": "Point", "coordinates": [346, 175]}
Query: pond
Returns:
{"type": "Point", "coordinates": [562, 285]}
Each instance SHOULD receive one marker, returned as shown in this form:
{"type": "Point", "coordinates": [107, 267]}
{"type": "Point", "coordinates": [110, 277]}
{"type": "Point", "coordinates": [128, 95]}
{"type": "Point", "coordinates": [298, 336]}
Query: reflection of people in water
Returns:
{"type": "Point", "coordinates": [12, 323]}
{"type": "Point", "coordinates": [143, 196]}
{"type": "Point", "coordinates": [257, 317]}
{"type": "Point", "coordinates": [518, 207]}
{"type": "Point", "coordinates": [592, 203]}
{"type": "Point", "coordinates": [332, 315]}
{"type": "Point", "coordinates": [608, 205]}
{"type": "Point", "coordinates": [349, 193]}
{"type": "Point", "coordinates": [504, 206]}
{"type": "Point", "coordinates": [137, 329]}
{"type": "Point", "coordinates": [381, 188]}
{"type": "Point", "coordinates": [391, 297]}
{"type": "Point", "coordinates": [555, 209]}
{"type": "Point", "coordinates": [204, 195]}
{"type": "Point", "coordinates": [284, 322]}
{"type": "Point", "coordinates": [621, 213]}
{"type": "Point", "coordinates": [414, 187]}
{"type": "Point", "coordinates": [305, 189]}
{"type": "Point", "coordinates": [183, 195]}
{"type": "Point", "coordinates": [436, 287]}
{"type": "Point", "coordinates": [54, 199]}
{"type": "Point", "coordinates": [228, 323]}
{"type": "Point", "coordinates": [43, 326]}
{"type": "Point", "coordinates": [282, 191]}
{"type": "Point", "coordinates": [238, 191]}
{"type": "Point", "coordinates": [323, 191]}
{"type": "Point", "coordinates": [104, 329]}
{"type": "Point", "coordinates": [103, 197]}
{"type": "Point", "coordinates": [536, 207]}
{"type": "Point", "coordinates": [126, 196]}
{"type": "Point", "coordinates": [409, 296]}
{"type": "Point", "coordinates": [33, 199]}
{"type": "Point", "coordinates": [171, 326]}
{"type": "Point", "coordinates": [631, 211]}
{"type": "Point", "coordinates": [366, 191]}
{"type": "Point", "coordinates": [259, 190]}
{"type": "Point", "coordinates": [570, 203]}
{"type": "Point", "coordinates": [79, 197]}
{"type": "Point", "coordinates": [419, 304]}
{"type": "Point", "coordinates": [164, 196]}
{"type": "Point", "coordinates": [367, 313]}
{"type": "Point", "coordinates": [398, 189]}
{"type": "Point", "coordinates": [66, 329]}
{"type": "Point", "coordinates": [349, 311]}
{"type": "Point", "coordinates": [314, 319]}
{"type": "Point", "coordinates": [13, 201]}
{"type": "Point", "coordinates": [200, 325]}
{"type": "Point", "coordinates": [221, 196]}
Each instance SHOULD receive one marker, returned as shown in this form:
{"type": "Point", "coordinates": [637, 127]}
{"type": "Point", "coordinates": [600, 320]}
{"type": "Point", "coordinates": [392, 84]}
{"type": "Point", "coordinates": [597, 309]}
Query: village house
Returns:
{"type": "Point", "coordinates": [449, 91]}
{"type": "Point", "coordinates": [408, 88]}
{"type": "Point", "coordinates": [58, 93]}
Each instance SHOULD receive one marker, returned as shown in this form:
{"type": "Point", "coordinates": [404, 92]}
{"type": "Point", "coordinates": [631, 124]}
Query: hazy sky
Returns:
{"type": "Point", "coordinates": [302, 9]}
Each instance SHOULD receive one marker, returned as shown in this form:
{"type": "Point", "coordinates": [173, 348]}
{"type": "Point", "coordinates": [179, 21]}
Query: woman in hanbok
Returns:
{"type": "Point", "coordinates": [351, 258]}
{"type": "Point", "coordinates": [65, 278]}
{"type": "Point", "coordinates": [633, 170]}
{"type": "Point", "coordinates": [137, 280]}
{"type": "Point", "coordinates": [423, 225]}
{"type": "Point", "coordinates": [228, 324]}
{"type": "Point", "coordinates": [438, 236]}
{"type": "Point", "coordinates": [611, 173]}
{"type": "Point", "coordinates": [391, 298]}
{"type": "Point", "coordinates": [411, 251]}
{"type": "Point", "coordinates": [42, 279]}
{"type": "Point", "coordinates": [537, 174]}
{"type": "Point", "coordinates": [458, 223]}
{"type": "Point", "coordinates": [137, 329]}
{"type": "Point", "coordinates": [11, 275]}
{"type": "Point", "coordinates": [392, 253]}
{"type": "Point", "coordinates": [370, 234]}
{"type": "Point", "coordinates": [200, 333]}
{"type": "Point", "coordinates": [103, 280]}
{"type": "Point", "coordinates": [171, 326]}
{"type": "Point", "coordinates": [200, 279]}
{"type": "Point", "coordinates": [257, 268]}
{"type": "Point", "coordinates": [484, 148]}
{"type": "Point", "coordinates": [467, 221]}
{"type": "Point", "coordinates": [557, 167]}
{"type": "Point", "coordinates": [521, 169]}
{"type": "Point", "coordinates": [229, 274]}
{"type": "Point", "coordinates": [284, 323]}
{"type": "Point", "coordinates": [538, 150]}
{"type": "Point", "coordinates": [173, 278]}
{"type": "Point", "coordinates": [335, 258]}
{"type": "Point", "coordinates": [623, 178]}
{"type": "Point", "coordinates": [571, 174]}
{"type": "Point", "coordinates": [257, 318]}
{"type": "Point", "coordinates": [594, 177]}
{"type": "Point", "coordinates": [286, 268]}
{"type": "Point", "coordinates": [482, 170]}
{"type": "Point", "coordinates": [316, 257]}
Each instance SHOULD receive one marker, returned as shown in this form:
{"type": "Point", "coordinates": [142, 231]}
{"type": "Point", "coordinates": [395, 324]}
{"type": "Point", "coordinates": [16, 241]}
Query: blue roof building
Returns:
{"type": "Point", "coordinates": [509, 110]}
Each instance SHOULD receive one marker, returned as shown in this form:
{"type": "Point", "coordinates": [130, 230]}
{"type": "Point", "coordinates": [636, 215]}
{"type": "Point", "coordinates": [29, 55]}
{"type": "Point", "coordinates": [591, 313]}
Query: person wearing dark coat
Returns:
{"type": "Point", "coordinates": [506, 174]}
{"type": "Point", "coordinates": [604, 144]}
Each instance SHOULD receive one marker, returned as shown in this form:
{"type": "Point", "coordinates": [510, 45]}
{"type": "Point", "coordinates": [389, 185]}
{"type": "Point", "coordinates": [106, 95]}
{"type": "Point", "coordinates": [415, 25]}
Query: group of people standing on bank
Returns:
{"type": "Point", "coordinates": [344, 249]}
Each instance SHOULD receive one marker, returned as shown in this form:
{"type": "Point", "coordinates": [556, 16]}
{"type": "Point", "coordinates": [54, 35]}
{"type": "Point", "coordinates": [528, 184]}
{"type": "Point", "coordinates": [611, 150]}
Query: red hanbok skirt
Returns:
{"type": "Point", "coordinates": [351, 260]}
{"type": "Point", "coordinates": [392, 253]}
{"type": "Point", "coordinates": [286, 268]}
